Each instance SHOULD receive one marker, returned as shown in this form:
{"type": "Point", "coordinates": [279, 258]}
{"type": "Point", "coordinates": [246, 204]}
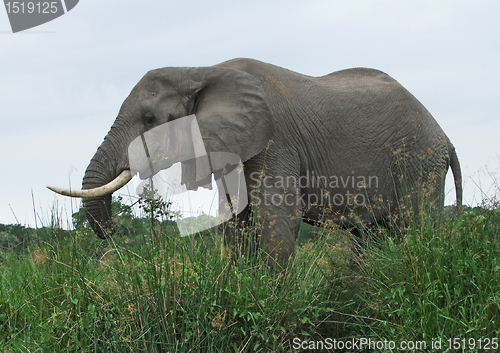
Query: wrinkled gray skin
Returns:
{"type": "Point", "coordinates": [357, 122]}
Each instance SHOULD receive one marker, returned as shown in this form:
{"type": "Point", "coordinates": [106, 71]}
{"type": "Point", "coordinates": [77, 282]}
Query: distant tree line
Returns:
{"type": "Point", "coordinates": [15, 237]}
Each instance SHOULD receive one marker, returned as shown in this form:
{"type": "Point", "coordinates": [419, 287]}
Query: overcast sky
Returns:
{"type": "Point", "coordinates": [62, 83]}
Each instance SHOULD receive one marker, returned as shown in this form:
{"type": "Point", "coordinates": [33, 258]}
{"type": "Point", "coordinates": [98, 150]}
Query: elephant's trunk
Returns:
{"type": "Point", "coordinates": [101, 171]}
{"type": "Point", "coordinates": [98, 212]}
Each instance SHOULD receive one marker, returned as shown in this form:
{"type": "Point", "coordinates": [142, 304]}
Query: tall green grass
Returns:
{"type": "Point", "coordinates": [153, 291]}
{"type": "Point", "coordinates": [440, 281]}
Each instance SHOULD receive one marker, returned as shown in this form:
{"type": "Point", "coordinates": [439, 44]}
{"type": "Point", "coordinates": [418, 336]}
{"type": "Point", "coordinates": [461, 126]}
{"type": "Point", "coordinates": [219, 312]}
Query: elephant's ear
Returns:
{"type": "Point", "coordinates": [232, 110]}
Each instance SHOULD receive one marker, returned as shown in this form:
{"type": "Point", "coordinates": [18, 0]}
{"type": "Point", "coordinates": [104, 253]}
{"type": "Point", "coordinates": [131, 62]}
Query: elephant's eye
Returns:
{"type": "Point", "coordinates": [148, 119]}
{"type": "Point", "coordinates": [170, 118]}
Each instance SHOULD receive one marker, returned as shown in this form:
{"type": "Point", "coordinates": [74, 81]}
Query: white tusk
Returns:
{"type": "Point", "coordinates": [109, 188]}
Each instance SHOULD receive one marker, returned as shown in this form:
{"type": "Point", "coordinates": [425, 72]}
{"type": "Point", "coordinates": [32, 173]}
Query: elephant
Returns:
{"type": "Point", "coordinates": [353, 147]}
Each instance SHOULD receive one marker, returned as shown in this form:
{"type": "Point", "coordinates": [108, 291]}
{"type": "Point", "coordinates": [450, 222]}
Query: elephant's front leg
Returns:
{"type": "Point", "coordinates": [278, 215]}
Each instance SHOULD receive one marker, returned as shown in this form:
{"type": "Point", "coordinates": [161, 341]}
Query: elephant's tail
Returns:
{"type": "Point", "coordinates": [457, 174]}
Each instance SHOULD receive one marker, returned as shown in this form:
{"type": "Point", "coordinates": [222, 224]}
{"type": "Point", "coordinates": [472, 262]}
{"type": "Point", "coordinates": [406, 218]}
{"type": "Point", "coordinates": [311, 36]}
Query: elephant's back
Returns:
{"type": "Point", "coordinates": [375, 105]}
{"type": "Point", "coordinates": [357, 73]}
{"type": "Point", "coordinates": [358, 83]}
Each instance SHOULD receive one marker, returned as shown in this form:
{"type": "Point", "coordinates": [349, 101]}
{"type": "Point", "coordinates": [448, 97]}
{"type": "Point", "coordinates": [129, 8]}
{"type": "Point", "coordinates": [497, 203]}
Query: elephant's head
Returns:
{"type": "Point", "coordinates": [231, 110]}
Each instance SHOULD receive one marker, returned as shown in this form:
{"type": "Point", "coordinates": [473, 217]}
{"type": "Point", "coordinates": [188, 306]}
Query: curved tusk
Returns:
{"type": "Point", "coordinates": [109, 188]}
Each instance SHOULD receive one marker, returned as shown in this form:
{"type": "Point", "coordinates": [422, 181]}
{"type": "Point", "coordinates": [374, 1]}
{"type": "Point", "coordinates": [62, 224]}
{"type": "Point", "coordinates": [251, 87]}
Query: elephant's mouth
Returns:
{"type": "Point", "coordinates": [120, 181]}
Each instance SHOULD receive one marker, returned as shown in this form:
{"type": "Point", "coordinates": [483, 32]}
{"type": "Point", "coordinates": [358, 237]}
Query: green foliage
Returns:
{"type": "Point", "coordinates": [8, 241]}
{"type": "Point", "coordinates": [148, 289]}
